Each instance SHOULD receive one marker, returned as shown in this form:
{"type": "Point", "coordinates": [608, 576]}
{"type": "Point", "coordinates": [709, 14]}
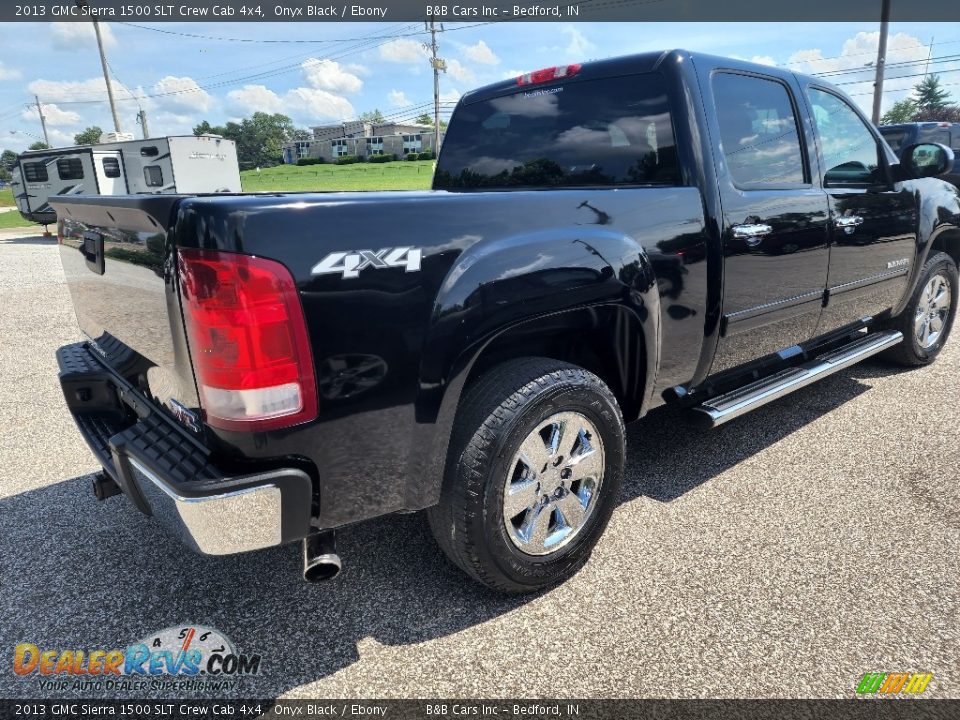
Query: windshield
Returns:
{"type": "Point", "coordinates": [613, 131]}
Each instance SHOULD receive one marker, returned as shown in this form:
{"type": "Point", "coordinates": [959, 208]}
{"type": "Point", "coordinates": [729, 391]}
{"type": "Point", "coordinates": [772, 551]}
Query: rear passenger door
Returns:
{"type": "Point", "coordinates": [774, 218]}
{"type": "Point", "coordinates": [873, 221]}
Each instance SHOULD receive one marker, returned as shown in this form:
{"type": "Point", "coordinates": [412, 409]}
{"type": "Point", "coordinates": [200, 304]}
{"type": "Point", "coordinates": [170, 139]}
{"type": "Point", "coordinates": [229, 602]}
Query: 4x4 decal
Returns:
{"type": "Point", "coordinates": [350, 264]}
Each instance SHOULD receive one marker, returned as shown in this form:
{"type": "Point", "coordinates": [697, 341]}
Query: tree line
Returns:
{"type": "Point", "coordinates": [928, 102]}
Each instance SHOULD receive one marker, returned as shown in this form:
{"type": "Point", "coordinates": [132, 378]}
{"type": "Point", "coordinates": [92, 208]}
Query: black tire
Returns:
{"type": "Point", "coordinates": [497, 414]}
{"type": "Point", "coordinates": [911, 352]}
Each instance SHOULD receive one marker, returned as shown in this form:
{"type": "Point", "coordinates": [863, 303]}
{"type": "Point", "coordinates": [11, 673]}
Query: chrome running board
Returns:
{"type": "Point", "coordinates": [735, 403]}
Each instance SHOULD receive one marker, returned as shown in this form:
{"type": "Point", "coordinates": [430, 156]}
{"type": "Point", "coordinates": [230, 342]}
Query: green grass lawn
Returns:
{"type": "Point", "coordinates": [13, 219]}
{"type": "Point", "coordinates": [400, 175]}
{"type": "Point", "coordinates": [6, 197]}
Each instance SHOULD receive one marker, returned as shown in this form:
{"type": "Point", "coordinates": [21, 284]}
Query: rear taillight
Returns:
{"type": "Point", "coordinates": [248, 341]}
{"type": "Point", "coordinates": [560, 72]}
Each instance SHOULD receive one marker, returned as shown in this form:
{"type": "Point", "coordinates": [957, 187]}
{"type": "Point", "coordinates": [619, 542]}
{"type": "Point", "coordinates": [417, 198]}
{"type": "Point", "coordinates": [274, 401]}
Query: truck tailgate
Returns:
{"type": "Point", "coordinates": [120, 269]}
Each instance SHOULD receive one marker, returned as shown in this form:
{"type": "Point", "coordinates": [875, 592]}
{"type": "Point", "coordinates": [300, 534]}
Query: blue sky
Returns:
{"type": "Point", "coordinates": [182, 80]}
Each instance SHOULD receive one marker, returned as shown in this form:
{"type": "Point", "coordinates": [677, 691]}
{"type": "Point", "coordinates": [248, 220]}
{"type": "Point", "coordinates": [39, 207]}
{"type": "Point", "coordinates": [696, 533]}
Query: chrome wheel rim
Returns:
{"type": "Point", "coordinates": [932, 311]}
{"type": "Point", "coordinates": [553, 483]}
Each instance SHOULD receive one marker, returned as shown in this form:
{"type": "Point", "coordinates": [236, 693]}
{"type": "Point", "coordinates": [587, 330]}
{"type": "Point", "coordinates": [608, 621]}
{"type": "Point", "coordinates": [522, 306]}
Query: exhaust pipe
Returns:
{"type": "Point", "coordinates": [320, 559]}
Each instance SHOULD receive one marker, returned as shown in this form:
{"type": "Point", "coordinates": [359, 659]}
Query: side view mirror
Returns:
{"type": "Point", "coordinates": [925, 160]}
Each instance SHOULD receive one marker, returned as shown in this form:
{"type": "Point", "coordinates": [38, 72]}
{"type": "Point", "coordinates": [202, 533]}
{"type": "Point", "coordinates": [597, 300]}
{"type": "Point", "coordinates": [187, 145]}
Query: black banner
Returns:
{"type": "Point", "coordinates": [872, 709]}
{"type": "Point", "coordinates": [473, 10]}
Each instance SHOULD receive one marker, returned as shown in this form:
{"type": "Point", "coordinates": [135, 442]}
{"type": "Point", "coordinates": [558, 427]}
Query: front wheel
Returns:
{"type": "Point", "coordinates": [534, 474]}
{"type": "Point", "coordinates": [928, 317]}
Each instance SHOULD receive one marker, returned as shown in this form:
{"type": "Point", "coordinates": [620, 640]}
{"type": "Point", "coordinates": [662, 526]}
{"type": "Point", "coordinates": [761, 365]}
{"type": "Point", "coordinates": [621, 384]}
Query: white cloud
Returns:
{"type": "Point", "coordinates": [763, 60]}
{"type": "Point", "coordinates": [451, 95]}
{"type": "Point", "coordinates": [53, 115]}
{"type": "Point", "coordinates": [9, 73]}
{"type": "Point", "coordinates": [182, 93]}
{"type": "Point", "coordinates": [254, 98]}
{"type": "Point", "coordinates": [312, 104]}
{"type": "Point", "coordinates": [906, 53]}
{"type": "Point", "coordinates": [398, 98]}
{"type": "Point", "coordinates": [330, 75]}
{"type": "Point", "coordinates": [308, 105]}
{"type": "Point", "coordinates": [514, 74]}
{"type": "Point", "coordinates": [459, 71]}
{"type": "Point", "coordinates": [579, 45]}
{"type": "Point", "coordinates": [78, 35]}
{"type": "Point", "coordinates": [481, 53]}
{"type": "Point", "coordinates": [357, 69]}
{"type": "Point", "coordinates": [403, 50]}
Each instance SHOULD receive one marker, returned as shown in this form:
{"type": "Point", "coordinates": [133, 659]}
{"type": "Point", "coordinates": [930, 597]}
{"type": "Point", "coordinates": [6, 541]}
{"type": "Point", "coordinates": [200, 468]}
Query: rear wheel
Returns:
{"type": "Point", "coordinates": [928, 318]}
{"type": "Point", "coordinates": [534, 474]}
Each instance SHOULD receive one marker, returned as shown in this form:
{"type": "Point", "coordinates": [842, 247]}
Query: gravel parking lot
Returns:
{"type": "Point", "coordinates": [782, 555]}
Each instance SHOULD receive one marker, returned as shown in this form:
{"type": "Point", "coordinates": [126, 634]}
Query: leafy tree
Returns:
{"type": "Point", "coordinates": [427, 119]}
{"type": "Point", "coordinates": [372, 116]}
{"type": "Point", "coordinates": [4, 174]}
{"type": "Point", "coordinates": [8, 159]}
{"type": "Point", "coordinates": [902, 111]}
{"type": "Point", "coordinates": [205, 128]}
{"type": "Point", "coordinates": [39, 145]}
{"type": "Point", "coordinates": [302, 134]}
{"type": "Point", "coordinates": [929, 95]}
{"type": "Point", "coordinates": [90, 136]}
{"type": "Point", "coordinates": [950, 113]}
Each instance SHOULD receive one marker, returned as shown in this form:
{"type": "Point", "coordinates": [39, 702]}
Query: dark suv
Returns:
{"type": "Point", "coordinates": [906, 134]}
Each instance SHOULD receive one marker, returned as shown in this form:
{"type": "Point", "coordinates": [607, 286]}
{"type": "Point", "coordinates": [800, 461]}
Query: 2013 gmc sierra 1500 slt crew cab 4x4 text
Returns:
{"type": "Point", "coordinates": [601, 240]}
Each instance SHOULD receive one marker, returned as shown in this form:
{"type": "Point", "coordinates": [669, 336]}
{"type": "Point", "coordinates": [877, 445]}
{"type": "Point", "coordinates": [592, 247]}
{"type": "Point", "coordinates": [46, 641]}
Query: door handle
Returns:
{"type": "Point", "coordinates": [847, 222]}
{"type": "Point", "coordinates": [752, 233]}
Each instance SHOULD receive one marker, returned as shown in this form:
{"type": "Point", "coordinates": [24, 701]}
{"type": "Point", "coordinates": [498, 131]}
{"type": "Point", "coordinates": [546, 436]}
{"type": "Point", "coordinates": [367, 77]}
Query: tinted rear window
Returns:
{"type": "Point", "coordinates": [35, 172]}
{"type": "Point", "coordinates": [613, 131]}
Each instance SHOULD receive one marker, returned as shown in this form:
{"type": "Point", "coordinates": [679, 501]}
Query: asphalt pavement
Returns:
{"type": "Point", "coordinates": [782, 555]}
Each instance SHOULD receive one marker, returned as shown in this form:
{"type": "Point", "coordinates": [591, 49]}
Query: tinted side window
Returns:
{"type": "Point", "coordinates": [111, 167]}
{"type": "Point", "coordinates": [610, 131]}
{"type": "Point", "coordinates": [850, 151]}
{"type": "Point", "coordinates": [70, 169]}
{"type": "Point", "coordinates": [153, 176]}
{"type": "Point", "coordinates": [758, 131]}
{"type": "Point", "coordinates": [35, 172]}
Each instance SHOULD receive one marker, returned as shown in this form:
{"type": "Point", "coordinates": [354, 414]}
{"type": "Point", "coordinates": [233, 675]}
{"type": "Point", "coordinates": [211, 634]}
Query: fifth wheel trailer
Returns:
{"type": "Point", "coordinates": [168, 165]}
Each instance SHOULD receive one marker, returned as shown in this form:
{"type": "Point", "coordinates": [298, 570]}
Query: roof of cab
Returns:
{"type": "Point", "coordinates": [634, 64]}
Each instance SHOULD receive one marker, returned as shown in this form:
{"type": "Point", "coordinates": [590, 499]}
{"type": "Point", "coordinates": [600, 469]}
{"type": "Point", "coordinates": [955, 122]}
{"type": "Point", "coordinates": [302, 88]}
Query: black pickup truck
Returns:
{"type": "Point", "coordinates": [660, 229]}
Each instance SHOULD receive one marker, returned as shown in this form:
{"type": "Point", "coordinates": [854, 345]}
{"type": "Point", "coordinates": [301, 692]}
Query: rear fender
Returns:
{"type": "Point", "coordinates": [547, 282]}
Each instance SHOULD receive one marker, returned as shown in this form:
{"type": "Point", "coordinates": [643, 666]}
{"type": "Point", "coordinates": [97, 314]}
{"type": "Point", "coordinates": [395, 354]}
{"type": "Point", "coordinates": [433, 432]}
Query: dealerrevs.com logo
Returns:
{"type": "Point", "coordinates": [177, 658]}
{"type": "Point", "coordinates": [895, 683]}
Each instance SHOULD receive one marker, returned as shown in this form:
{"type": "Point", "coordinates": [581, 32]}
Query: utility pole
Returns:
{"type": "Point", "coordinates": [142, 119]}
{"type": "Point", "coordinates": [43, 121]}
{"type": "Point", "coordinates": [881, 60]}
{"type": "Point", "coordinates": [106, 73]}
{"type": "Point", "coordinates": [437, 64]}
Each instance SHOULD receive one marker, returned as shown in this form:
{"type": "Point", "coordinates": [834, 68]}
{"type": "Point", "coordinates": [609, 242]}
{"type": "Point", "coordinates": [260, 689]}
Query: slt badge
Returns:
{"type": "Point", "coordinates": [350, 264]}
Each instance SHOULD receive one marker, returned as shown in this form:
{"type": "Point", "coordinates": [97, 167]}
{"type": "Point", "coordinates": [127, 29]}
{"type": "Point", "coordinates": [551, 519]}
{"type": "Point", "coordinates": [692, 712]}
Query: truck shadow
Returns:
{"type": "Point", "coordinates": [83, 574]}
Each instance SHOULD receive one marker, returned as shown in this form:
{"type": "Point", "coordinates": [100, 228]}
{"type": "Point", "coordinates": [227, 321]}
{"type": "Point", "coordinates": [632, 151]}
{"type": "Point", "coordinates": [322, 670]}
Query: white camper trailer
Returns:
{"type": "Point", "coordinates": [168, 165]}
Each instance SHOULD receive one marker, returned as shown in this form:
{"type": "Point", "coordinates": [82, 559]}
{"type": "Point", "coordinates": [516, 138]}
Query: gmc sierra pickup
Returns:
{"type": "Point", "coordinates": [601, 239]}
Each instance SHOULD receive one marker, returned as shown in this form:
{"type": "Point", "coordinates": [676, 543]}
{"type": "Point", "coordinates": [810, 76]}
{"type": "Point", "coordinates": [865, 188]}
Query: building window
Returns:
{"type": "Point", "coordinates": [111, 167]}
{"type": "Point", "coordinates": [35, 172]}
{"type": "Point", "coordinates": [374, 146]}
{"type": "Point", "coordinates": [412, 143]}
{"type": "Point", "coordinates": [153, 176]}
{"type": "Point", "coordinates": [303, 149]}
{"type": "Point", "coordinates": [70, 169]}
{"type": "Point", "coordinates": [339, 148]}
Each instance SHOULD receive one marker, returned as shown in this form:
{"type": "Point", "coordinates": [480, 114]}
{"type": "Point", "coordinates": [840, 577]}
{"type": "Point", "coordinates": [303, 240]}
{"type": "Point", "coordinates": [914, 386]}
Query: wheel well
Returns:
{"type": "Point", "coordinates": [607, 341]}
{"type": "Point", "coordinates": [948, 242]}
